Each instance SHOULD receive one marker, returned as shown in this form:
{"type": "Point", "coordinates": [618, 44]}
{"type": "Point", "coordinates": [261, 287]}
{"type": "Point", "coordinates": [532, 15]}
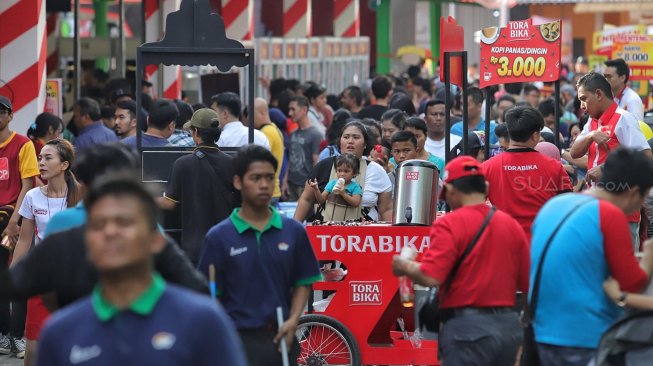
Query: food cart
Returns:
{"type": "Point", "coordinates": [359, 324]}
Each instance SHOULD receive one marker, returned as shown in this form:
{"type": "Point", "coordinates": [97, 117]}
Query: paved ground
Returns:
{"type": "Point", "coordinates": [10, 361]}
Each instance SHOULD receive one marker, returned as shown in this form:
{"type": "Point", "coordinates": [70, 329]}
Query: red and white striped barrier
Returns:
{"type": "Point", "coordinates": [155, 11]}
{"type": "Point", "coordinates": [297, 18]}
{"type": "Point", "coordinates": [52, 29]}
{"type": "Point", "coordinates": [346, 18]}
{"type": "Point", "coordinates": [23, 59]}
{"type": "Point", "coordinates": [238, 16]}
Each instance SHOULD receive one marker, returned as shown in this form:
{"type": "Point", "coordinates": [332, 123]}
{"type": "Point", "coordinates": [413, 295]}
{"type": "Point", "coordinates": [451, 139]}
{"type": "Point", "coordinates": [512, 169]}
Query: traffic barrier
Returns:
{"type": "Point", "coordinates": [52, 28]}
{"type": "Point", "coordinates": [23, 82]}
{"type": "Point", "coordinates": [297, 18]}
{"type": "Point", "coordinates": [156, 12]}
{"type": "Point", "coordinates": [346, 18]}
{"type": "Point", "coordinates": [238, 16]}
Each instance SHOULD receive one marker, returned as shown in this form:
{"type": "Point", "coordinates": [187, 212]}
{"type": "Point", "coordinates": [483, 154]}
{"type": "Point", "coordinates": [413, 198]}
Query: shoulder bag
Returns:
{"type": "Point", "coordinates": [429, 313]}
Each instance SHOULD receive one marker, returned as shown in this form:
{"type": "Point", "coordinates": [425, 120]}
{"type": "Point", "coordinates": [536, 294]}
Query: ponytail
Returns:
{"type": "Point", "coordinates": [74, 192]}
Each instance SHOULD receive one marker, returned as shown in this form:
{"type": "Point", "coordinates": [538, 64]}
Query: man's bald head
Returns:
{"type": "Point", "coordinates": [261, 112]}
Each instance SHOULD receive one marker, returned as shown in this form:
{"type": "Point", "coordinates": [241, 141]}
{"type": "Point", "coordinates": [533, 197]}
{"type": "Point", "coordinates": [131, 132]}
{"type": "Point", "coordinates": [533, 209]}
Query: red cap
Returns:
{"type": "Point", "coordinates": [460, 167]}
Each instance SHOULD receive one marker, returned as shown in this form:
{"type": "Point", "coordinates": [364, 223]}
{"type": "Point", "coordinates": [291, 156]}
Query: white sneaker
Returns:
{"type": "Point", "coordinates": [18, 347]}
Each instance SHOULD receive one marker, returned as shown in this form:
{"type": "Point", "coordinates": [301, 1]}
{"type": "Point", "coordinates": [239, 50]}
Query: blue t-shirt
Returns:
{"type": "Point", "coordinates": [328, 152]}
{"type": "Point", "coordinates": [146, 141]}
{"type": "Point", "coordinates": [353, 188]}
{"type": "Point", "coordinates": [256, 271]}
{"type": "Point", "coordinates": [66, 219]}
{"type": "Point", "coordinates": [94, 134]}
{"type": "Point", "coordinates": [183, 328]}
{"type": "Point", "coordinates": [572, 308]}
{"type": "Point", "coordinates": [457, 129]}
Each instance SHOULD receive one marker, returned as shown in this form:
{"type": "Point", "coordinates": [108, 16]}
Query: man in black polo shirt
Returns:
{"type": "Point", "coordinates": [262, 261]}
{"type": "Point", "coordinates": [202, 183]}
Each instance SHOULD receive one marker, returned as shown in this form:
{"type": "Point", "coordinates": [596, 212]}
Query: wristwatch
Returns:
{"type": "Point", "coordinates": [622, 300]}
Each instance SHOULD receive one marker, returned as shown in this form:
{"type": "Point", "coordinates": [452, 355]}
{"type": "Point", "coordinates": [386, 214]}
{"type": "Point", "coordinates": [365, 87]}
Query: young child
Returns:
{"type": "Point", "coordinates": [347, 167]}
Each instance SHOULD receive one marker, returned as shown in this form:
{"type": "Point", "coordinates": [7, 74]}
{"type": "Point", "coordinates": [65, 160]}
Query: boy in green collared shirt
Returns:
{"type": "Point", "coordinates": [262, 261]}
{"type": "Point", "coordinates": [133, 317]}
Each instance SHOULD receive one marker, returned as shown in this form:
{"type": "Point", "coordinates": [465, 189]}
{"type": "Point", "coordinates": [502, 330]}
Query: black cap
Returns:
{"type": "Point", "coordinates": [5, 102]}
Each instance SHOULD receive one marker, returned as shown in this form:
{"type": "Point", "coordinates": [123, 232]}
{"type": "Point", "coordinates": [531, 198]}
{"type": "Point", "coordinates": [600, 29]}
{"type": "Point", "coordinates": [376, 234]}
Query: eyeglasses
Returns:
{"type": "Point", "coordinates": [4, 112]}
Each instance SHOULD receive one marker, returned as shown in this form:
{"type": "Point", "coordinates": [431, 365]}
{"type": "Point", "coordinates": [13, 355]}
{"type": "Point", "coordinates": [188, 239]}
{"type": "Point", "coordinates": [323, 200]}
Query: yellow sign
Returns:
{"type": "Point", "coordinates": [605, 38]}
{"type": "Point", "coordinates": [639, 56]}
{"type": "Point", "coordinates": [54, 97]}
{"type": "Point", "coordinates": [596, 61]}
{"type": "Point", "coordinates": [635, 54]}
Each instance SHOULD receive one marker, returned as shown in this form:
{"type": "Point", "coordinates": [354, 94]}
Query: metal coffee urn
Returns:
{"type": "Point", "coordinates": [415, 195]}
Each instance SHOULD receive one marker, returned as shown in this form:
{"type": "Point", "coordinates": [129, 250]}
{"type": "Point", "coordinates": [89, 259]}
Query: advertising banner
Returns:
{"type": "Point", "coordinates": [520, 52]}
{"type": "Point", "coordinates": [638, 53]}
{"type": "Point", "coordinates": [451, 40]}
{"type": "Point", "coordinates": [54, 97]}
{"type": "Point", "coordinates": [602, 40]}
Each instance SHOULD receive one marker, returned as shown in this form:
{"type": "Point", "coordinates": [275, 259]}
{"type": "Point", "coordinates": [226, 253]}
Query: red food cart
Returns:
{"type": "Point", "coordinates": [359, 325]}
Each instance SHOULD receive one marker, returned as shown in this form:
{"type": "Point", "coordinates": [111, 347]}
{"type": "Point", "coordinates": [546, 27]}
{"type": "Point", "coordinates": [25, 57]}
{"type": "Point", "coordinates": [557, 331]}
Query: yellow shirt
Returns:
{"type": "Point", "coordinates": [275, 138]}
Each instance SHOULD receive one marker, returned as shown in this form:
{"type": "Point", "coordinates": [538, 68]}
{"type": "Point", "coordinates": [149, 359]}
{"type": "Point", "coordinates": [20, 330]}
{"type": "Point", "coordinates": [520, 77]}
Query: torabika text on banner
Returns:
{"type": "Point", "coordinates": [520, 52]}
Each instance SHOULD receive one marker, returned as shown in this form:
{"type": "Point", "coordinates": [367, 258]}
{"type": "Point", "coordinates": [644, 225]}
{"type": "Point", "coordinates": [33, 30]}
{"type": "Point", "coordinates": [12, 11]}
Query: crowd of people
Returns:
{"type": "Point", "coordinates": [76, 223]}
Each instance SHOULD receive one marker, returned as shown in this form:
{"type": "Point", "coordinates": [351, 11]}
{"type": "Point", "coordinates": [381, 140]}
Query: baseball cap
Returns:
{"type": "Point", "coordinates": [5, 102]}
{"type": "Point", "coordinates": [203, 118]}
{"type": "Point", "coordinates": [460, 167]}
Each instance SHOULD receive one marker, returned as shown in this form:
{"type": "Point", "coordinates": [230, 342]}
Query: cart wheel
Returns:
{"type": "Point", "coordinates": [324, 341]}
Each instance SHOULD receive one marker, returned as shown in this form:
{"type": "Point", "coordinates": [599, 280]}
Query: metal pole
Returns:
{"type": "Point", "coordinates": [250, 96]}
{"type": "Point", "coordinates": [557, 113]}
{"type": "Point", "coordinates": [488, 108]}
{"type": "Point", "coordinates": [465, 106]}
{"type": "Point", "coordinates": [447, 107]}
{"type": "Point", "coordinates": [76, 55]}
{"type": "Point", "coordinates": [121, 52]}
{"type": "Point", "coordinates": [504, 13]}
{"type": "Point", "coordinates": [140, 68]}
{"type": "Point", "coordinates": [143, 22]}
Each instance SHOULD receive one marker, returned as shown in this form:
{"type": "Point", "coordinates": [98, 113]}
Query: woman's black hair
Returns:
{"type": "Point", "coordinates": [66, 152]}
{"type": "Point", "coordinates": [42, 125]}
{"type": "Point", "coordinates": [373, 127]}
{"type": "Point", "coordinates": [369, 144]}
{"type": "Point", "coordinates": [394, 116]}
{"type": "Point", "coordinates": [349, 160]}
{"type": "Point", "coordinates": [402, 102]}
{"type": "Point", "coordinates": [340, 117]}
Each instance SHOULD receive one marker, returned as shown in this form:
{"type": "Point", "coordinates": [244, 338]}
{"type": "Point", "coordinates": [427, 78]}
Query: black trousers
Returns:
{"type": "Point", "coordinates": [12, 318]}
{"type": "Point", "coordinates": [483, 339]}
{"type": "Point", "coordinates": [262, 351]}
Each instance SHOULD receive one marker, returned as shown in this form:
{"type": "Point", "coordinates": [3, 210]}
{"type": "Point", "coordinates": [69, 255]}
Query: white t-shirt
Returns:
{"type": "Point", "coordinates": [317, 119]}
{"type": "Point", "coordinates": [631, 102]}
{"type": "Point", "coordinates": [235, 134]}
{"type": "Point", "coordinates": [437, 147]}
{"type": "Point", "coordinates": [38, 207]}
{"type": "Point", "coordinates": [376, 181]}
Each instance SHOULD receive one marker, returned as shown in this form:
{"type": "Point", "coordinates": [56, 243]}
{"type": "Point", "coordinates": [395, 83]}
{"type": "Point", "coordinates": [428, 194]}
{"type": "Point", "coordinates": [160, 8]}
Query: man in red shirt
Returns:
{"type": "Point", "coordinates": [522, 179]}
{"type": "Point", "coordinates": [608, 128]}
{"type": "Point", "coordinates": [479, 324]}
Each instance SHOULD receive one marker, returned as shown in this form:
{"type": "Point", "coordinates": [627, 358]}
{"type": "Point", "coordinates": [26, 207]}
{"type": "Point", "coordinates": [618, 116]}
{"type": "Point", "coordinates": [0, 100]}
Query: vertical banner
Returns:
{"type": "Point", "coordinates": [520, 52]}
{"type": "Point", "coordinates": [54, 97]}
{"type": "Point", "coordinates": [451, 40]}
